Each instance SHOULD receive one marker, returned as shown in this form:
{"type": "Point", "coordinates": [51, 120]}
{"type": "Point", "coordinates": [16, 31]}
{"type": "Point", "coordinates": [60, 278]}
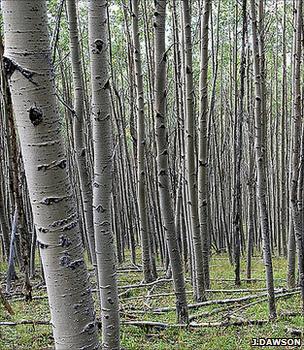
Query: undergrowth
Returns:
{"type": "Point", "coordinates": [38, 337]}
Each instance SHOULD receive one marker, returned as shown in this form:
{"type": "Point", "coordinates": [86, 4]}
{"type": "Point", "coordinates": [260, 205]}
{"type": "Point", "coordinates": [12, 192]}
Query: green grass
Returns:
{"type": "Point", "coordinates": [134, 338]}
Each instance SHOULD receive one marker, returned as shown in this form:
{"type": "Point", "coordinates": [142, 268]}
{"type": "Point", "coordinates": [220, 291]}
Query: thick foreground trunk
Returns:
{"type": "Point", "coordinates": [27, 62]}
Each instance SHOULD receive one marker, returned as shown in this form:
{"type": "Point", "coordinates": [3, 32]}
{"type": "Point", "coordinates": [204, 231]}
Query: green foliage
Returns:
{"type": "Point", "coordinates": [134, 338]}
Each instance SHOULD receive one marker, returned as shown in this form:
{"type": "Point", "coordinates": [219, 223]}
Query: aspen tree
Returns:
{"type": "Point", "coordinates": [260, 157]}
{"type": "Point", "coordinates": [103, 164]}
{"type": "Point", "coordinates": [141, 144]}
{"type": "Point", "coordinates": [27, 63]}
{"type": "Point", "coordinates": [296, 190]}
{"type": "Point", "coordinates": [238, 150]}
{"type": "Point", "coordinates": [203, 145]}
{"type": "Point", "coordinates": [162, 160]}
{"type": "Point", "coordinates": [79, 129]}
{"type": "Point", "coordinates": [190, 156]}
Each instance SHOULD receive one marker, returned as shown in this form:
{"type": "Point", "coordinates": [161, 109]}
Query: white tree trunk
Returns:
{"type": "Point", "coordinates": [203, 145]}
{"type": "Point", "coordinates": [190, 157]}
{"type": "Point", "coordinates": [141, 141]}
{"type": "Point", "coordinates": [79, 136]}
{"type": "Point", "coordinates": [296, 190]}
{"type": "Point", "coordinates": [27, 62]}
{"type": "Point", "coordinates": [102, 185]}
{"type": "Point", "coordinates": [162, 161]}
{"type": "Point", "coordinates": [260, 157]}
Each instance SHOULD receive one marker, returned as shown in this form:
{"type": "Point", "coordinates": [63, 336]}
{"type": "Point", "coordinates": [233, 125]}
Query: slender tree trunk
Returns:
{"type": "Point", "coordinates": [27, 57]}
{"type": "Point", "coordinates": [103, 159]}
{"type": "Point", "coordinates": [260, 161]}
{"type": "Point", "coordinates": [283, 186]}
{"type": "Point", "coordinates": [141, 142]}
{"type": "Point", "coordinates": [238, 150]}
{"type": "Point", "coordinates": [251, 171]}
{"type": "Point", "coordinates": [79, 130]}
{"type": "Point", "coordinates": [296, 190]}
{"type": "Point", "coordinates": [190, 156]}
{"type": "Point", "coordinates": [291, 252]}
{"type": "Point", "coordinates": [3, 219]}
{"type": "Point", "coordinates": [291, 258]}
{"type": "Point", "coordinates": [203, 151]}
{"type": "Point", "coordinates": [162, 161]}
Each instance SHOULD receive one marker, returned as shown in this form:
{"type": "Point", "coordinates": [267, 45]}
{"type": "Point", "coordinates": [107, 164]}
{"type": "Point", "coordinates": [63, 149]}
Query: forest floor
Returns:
{"type": "Point", "coordinates": [220, 334]}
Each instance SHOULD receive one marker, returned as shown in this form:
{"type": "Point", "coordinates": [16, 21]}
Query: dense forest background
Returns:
{"type": "Point", "coordinates": [151, 165]}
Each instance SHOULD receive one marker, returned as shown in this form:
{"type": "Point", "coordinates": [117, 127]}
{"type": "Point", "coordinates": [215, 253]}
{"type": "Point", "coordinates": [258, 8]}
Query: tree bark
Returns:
{"type": "Point", "coordinates": [162, 160]}
{"type": "Point", "coordinates": [141, 144]}
{"type": "Point", "coordinates": [79, 130]}
{"type": "Point", "coordinates": [27, 57]}
{"type": "Point", "coordinates": [203, 144]}
{"type": "Point", "coordinates": [260, 161]}
{"type": "Point", "coordinates": [103, 159]}
{"type": "Point", "coordinates": [296, 190]}
{"type": "Point", "coordinates": [190, 156]}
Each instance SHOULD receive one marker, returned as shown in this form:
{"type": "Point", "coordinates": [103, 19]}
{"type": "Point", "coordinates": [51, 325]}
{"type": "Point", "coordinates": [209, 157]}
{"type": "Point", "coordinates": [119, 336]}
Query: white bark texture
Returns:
{"type": "Point", "coordinates": [260, 154]}
{"type": "Point", "coordinates": [79, 136]}
{"type": "Point", "coordinates": [27, 63]}
{"type": "Point", "coordinates": [162, 161]}
{"type": "Point", "coordinates": [102, 185]}
{"type": "Point", "coordinates": [203, 195]}
{"type": "Point", "coordinates": [190, 156]}
{"type": "Point", "coordinates": [296, 190]}
{"type": "Point", "coordinates": [141, 141]}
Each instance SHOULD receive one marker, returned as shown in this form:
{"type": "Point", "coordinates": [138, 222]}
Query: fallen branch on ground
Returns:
{"type": "Point", "coordinates": [278, 296]}
{"type": "Point", "coordinates": [211, 302]}
{"type": "Point", "coordinates": [206, 314]}
{"type": "Point", "coordinates": [24, 322]}
{"type": "Point", "coordinates": [161, 325]}
{"type": "Point", "coordinates": [150, 324]}
{"type": "Point", "coordinates": [224, 291]}
{"type": "Point", "coordinates": [144, 285]}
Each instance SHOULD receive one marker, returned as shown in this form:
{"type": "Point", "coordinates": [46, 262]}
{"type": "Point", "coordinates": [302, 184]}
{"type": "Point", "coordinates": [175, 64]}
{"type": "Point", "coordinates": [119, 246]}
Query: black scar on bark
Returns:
{"type": "Point", "coordinates": [35, 115]}
{"type": "Point", "coordinates": [107, 85]}
{"type": "Point", "coordinates": [42, 245]}
{"type": "Point", "coordinates": [10, 67]}
{"type": "Point", "coordinates": [74, 264]}
{"type": "Point", "coordinates": [188, 70]}
{"type": "Point", "coordinates": [65, 260]}
{"type": "Point", "coordinates": [90, 327]}
{"type": "Point", "coordinates": [98, 45]}
{"type": "Point", "coordinates": [62, 164]}
{"type": "Point", "coordinates": [70, 226]}
{"type": "Point", "coordinates": [100, 209]}
{"type": "Point", "coordinates": [83, 152]}
{"type": "Point", "coordinates": [51, 200]}
{"type": "Point", "coordinates": [64, 241]}
{"type": "Point", "coordinates": [43, 230]}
